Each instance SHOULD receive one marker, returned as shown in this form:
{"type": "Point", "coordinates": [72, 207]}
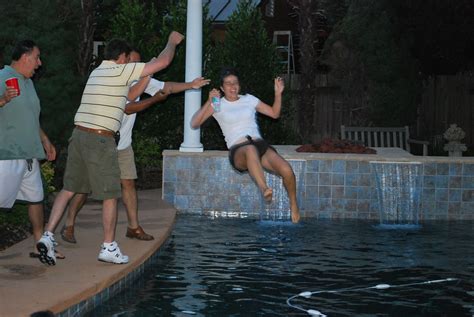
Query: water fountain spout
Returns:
{"type": "Point", "coordinates": [399, 187]}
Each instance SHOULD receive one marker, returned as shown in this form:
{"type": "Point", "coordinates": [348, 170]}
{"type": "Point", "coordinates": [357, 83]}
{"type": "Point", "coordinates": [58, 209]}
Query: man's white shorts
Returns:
{"type": "Point", "coordinates": [17, 182]}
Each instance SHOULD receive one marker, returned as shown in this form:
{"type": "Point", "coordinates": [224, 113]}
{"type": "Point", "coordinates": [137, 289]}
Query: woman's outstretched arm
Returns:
{"type": "Point", "coordinates": [205, 112]}
{"type": "Point", "coordinates": [273, 111]}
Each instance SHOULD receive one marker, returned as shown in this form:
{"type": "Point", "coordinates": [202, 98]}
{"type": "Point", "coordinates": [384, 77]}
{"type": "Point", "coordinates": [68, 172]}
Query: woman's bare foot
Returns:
{"type": "Point", "coordinates": [295, 214]}
{"type": "Point", "coordinates": [268, 194]}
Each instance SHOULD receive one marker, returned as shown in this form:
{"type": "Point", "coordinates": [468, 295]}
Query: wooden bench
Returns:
{"type": "Point", "coordinates": [382, 137]}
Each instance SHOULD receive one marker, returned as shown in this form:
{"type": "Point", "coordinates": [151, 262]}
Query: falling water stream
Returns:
{"type": "Point", "coordinates": [398, 186]}
{"type": "Point", "coordinates": [279, 208]}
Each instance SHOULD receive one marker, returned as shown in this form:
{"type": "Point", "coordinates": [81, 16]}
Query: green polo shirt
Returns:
{"type": "Point", "coordinates": [19, 120]}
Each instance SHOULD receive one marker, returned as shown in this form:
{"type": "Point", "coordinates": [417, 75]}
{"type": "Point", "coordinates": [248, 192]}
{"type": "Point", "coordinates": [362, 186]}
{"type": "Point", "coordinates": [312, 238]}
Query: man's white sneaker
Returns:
{"type": "Point", "coordinates": [45, 247]}
{"type": "Point", "coordinates": [112, 254]}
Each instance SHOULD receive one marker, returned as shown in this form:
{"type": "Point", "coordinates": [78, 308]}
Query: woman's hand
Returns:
{"type": "Point", "coordinates": [206, 110]}
{"type": "Point", "coordinates": [279, 85]}
{"type": "Point", "coordinates": [214, 93]}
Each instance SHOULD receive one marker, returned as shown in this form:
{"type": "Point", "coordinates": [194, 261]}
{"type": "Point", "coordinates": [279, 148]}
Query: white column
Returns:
{"type": "Point", "coordinates": [192, 98]}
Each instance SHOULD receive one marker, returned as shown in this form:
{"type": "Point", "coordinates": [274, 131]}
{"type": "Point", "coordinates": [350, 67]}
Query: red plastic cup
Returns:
{"type": "Point", "coordinates": [13, 83]}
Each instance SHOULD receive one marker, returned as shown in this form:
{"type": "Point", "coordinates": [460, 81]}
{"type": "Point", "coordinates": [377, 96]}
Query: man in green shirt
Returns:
{"type": "Point", "coordinates": [22, 141]}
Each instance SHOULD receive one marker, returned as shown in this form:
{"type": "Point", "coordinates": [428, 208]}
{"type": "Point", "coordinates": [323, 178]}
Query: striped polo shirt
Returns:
{"type": "Point", "coordinates": [105, 95]}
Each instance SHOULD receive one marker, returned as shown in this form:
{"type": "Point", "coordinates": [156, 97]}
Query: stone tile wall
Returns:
{"type": "Point", "coordinates": [329, 186]}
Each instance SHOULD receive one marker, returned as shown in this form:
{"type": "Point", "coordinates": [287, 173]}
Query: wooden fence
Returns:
{"type": "Point", "coordinates": [445, 100]}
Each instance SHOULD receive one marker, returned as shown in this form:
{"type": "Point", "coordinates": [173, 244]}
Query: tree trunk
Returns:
{"type": "Point", "coordinates": [308, 21]}
{"type": "Point", "coordinates": [87, 30]}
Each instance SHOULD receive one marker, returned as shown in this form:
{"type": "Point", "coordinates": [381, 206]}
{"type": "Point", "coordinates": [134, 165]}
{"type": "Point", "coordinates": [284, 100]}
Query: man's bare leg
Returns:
{"type": "Point", "coordinates": [110, 251]}
{"type": "Point", "coordinates": [75, 205]}
{"type": "Point", "coordinates": [60, 203]}
{"type": "Point", "coordinates": [130, 200]}
{"type": "Point", "coordinates": [46, 244]}
{"type": "Point", "coordinates": [109, 219]}
{"type": "Point", "coordinates": [36, 215]}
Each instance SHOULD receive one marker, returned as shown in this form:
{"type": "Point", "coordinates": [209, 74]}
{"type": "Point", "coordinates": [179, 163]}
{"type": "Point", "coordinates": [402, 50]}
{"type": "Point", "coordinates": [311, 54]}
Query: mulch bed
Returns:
{"type": "Point", "coordinates": [336, 146]}
{"type": "Point", "coordinates": [11, 234]}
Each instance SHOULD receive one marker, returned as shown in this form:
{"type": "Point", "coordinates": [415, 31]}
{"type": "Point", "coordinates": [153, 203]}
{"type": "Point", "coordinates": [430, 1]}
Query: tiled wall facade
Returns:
{"type": "Point", "coordinates": [448, 190]}
{"type": "Point", "coordinates": [327, 188]}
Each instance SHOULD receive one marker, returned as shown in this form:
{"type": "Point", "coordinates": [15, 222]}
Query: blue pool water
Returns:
{"type": "Point", "coordinates": [248, 267]}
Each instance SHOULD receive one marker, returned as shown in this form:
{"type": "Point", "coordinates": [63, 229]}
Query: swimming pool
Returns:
{"type": "Point", "coordinates": [248, 267]}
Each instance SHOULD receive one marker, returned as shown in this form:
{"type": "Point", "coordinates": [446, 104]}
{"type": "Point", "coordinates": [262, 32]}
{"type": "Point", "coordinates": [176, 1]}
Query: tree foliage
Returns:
{"type": "Point", "coordinates": [370, 29]}
{"type": "Point", "coordinates": [138, 23]}
{"type": "Point", "coordinates": [440, 33]}
{"type": "Point", "coordinates": [247, 48]}
{"type": "Point", "coordinates": [254, 57]}
{"type": "Point", "coordinates": [53, 25]}
{"type": "Point", "coordinates": [165, 122]}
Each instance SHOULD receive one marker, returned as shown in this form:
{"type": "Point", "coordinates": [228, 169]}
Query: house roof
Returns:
{"type": "Point", "coordinates": [220, 10]}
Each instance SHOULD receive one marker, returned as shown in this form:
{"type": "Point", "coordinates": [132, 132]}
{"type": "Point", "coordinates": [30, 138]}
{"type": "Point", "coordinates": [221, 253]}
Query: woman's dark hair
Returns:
{"type": "Point", "coordinates": [22, 47]}
{"type": "Point", "coordinates": [115, 47]}
{"type": "Point", "coordinates": [227, 71]}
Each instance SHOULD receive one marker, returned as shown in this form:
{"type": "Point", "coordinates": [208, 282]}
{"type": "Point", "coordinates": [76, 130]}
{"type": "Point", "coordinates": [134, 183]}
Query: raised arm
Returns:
{"type": "Point", "coordinates": [205, 112]}
{"type": "Point", "coordinates": [161, 95]}
{"type": "Point", "coordinates": [137, 106]}
{"type": "Point", "coordinates": [274, 111]}
{"type": "Point", "coordinates": [165, 57]}
{"type": "Point", "coordinates": [174, 88]}
{"type": "Point", "coordinates": [138, 89]}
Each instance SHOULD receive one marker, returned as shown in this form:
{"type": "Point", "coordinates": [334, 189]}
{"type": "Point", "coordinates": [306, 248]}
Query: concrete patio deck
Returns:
{"type": "Point", "coordinates": [27, 286]}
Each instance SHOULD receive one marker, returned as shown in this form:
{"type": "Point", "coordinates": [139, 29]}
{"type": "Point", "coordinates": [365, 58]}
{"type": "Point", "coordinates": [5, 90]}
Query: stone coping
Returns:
{"type": "Point", "coordinates": [383, 154]}
{"type": "Point", "coordinates": [329, 185]}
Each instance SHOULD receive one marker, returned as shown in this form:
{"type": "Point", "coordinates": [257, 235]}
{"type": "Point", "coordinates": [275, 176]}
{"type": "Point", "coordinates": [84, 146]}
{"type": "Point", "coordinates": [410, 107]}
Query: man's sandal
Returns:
{"type": "Point", "coordinates": [139, 234]}
{"type": "Point", "coordinates": [67, 233]}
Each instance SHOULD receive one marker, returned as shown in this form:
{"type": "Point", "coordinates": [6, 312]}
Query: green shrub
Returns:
{"type": "Point", "coordinates": [147, 152]}
{"type": "Point", "coordinates": [47, 173]}
{"type": "Point", "coordinates": [18, 215]}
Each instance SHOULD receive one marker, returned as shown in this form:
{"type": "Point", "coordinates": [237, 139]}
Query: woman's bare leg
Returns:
{"type": "Point", "coordinates": [278, 165]}
{"type": "Point", "coordinates": [247, 158]}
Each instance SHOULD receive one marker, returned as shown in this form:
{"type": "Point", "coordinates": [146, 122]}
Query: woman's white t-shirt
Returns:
{"type": "Point", "coordinates": [237, 119]}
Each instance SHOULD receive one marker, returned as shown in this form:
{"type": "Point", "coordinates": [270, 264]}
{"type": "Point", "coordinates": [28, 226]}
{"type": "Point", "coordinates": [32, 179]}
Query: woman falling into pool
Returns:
{"type": "Point", "coordinates": [247, 150]}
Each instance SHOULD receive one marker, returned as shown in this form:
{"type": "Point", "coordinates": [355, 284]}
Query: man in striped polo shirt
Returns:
{"type": "Point", "coordinates": [158, 92]}
{"type": "Point", "coordinates": [92, 163]}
